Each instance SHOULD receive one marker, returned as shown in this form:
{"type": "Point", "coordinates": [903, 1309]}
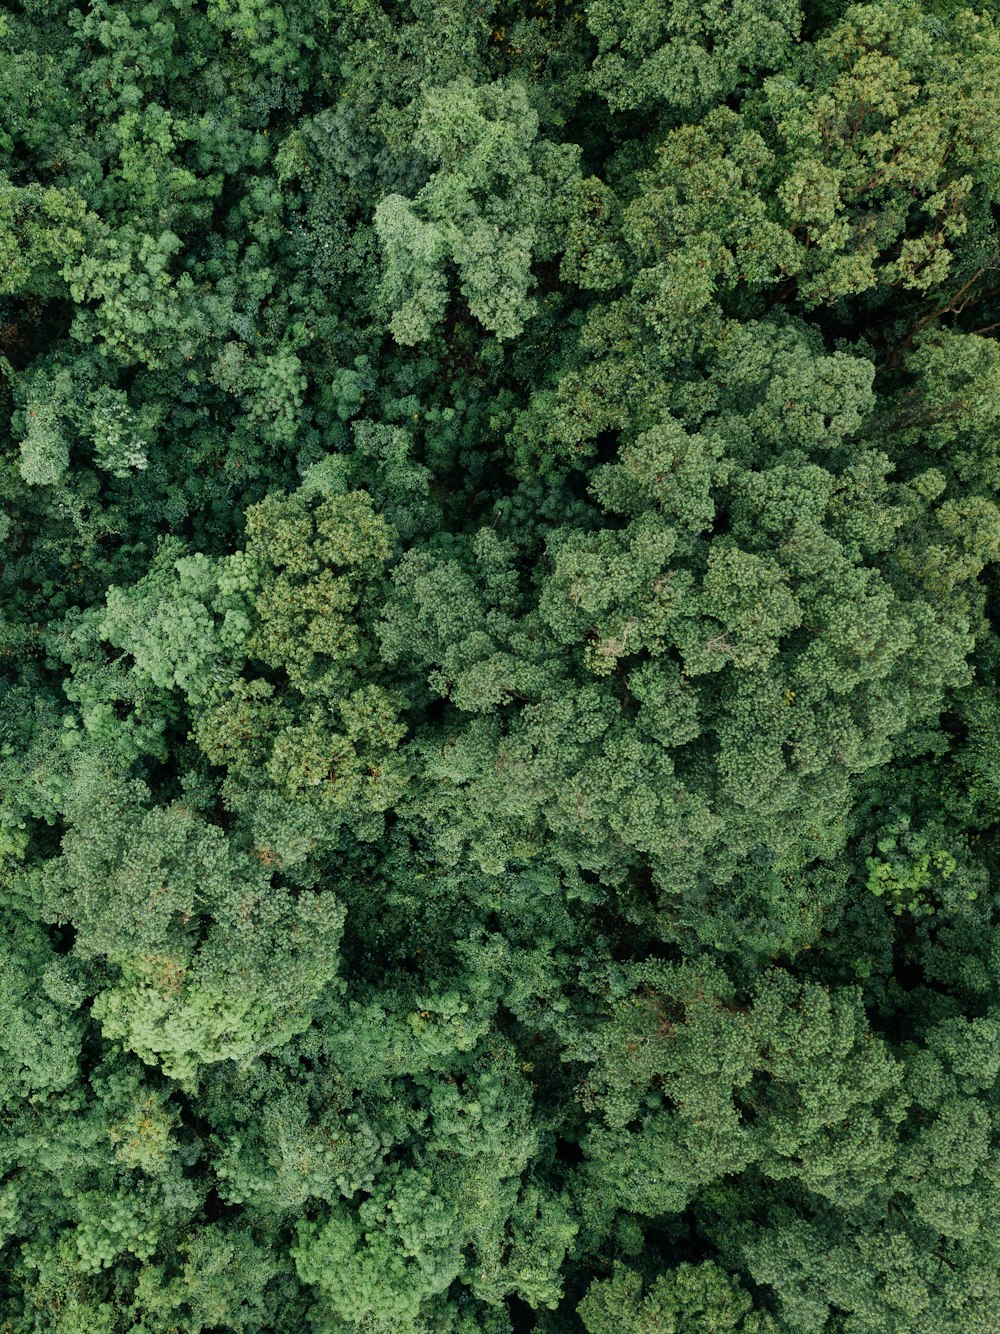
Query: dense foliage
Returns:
{"type": "Point", "coordinates": [499, 725]}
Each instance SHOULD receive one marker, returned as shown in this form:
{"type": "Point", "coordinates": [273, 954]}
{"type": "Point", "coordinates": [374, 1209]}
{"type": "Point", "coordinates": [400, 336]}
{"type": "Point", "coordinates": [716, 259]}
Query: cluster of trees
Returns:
{"type": "Point", "coordinates": [499, 733]}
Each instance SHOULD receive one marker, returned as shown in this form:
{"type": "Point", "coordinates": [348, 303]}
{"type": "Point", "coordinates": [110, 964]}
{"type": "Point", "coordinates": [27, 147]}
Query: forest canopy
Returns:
{"type": "Point", "coordinates": [499, 724]}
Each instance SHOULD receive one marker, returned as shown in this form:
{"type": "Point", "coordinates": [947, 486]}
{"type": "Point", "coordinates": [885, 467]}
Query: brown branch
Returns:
{"type": "Point", "coordinates": [951, 308]}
